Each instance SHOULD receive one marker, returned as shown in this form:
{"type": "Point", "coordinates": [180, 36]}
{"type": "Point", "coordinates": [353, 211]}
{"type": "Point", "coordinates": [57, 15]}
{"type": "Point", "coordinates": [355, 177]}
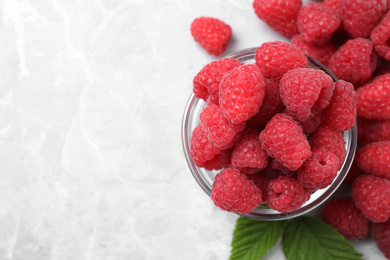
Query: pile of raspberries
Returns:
{"type": "Point", "coordinates": [274, 129]}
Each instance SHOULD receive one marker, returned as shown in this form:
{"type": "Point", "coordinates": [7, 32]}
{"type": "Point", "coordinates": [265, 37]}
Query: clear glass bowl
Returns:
{"type": "Point", "coordinates": [205, 178]}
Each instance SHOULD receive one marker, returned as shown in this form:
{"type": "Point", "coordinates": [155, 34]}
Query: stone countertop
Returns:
{"type": "Point", "coordinates": [92, 94]}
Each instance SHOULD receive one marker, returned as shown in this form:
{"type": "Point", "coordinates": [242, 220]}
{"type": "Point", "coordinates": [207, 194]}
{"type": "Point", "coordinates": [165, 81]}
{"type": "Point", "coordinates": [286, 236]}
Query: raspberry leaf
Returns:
{"type": "Point", "coordinates": [253, 238]}
{"type": "Point", "coordinates": [310, 238]}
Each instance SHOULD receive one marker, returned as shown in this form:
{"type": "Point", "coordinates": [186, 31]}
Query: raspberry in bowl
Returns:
{"type": "Point", "coordinates": [236, 153]}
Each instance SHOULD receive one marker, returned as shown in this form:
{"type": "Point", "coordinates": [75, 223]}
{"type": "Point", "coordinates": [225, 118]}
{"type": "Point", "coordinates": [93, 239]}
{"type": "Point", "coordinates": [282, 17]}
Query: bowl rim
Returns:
{"type": "Point", "coordinates": [263, 213]}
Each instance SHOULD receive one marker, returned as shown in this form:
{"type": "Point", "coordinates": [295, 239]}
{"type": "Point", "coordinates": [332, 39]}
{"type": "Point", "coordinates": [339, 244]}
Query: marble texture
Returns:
{"type": "Point", "coordinates": [91, 99]}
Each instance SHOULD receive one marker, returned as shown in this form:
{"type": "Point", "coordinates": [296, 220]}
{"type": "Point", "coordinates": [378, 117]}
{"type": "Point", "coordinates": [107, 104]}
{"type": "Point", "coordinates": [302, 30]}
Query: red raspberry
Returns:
{"type": "Point", "coordinates": [242, 92]}
{"type": "Point", "coordinates": [360, 17]}
{"type": "Point", "coordinates": [306, 91]}
{"type": "Point", "coordinates": [319, 170]}
{"type": "Point", "coordinates": [261, 182]}
{"type": "Point", "coordinates": [372, 196]}
{"type": "Point", "coordinates": [276, 58]}
{"type": "Point", "coordinates": [380, 36]}
{"type": "Point", "coordinates": [219, 130]}
{"type": "Point", "coordinates": [220, 161]}
{"type": "Point", "coordinates": [380, 232]}
{"type": "Point", "coordinates": [331, 139]}
{"type": "Point", "coordinates": [332, 4]}
{"type": "Point", "coordinates": [286, 194]}
{"type": "Point", "coordinates": [373, 99]}
{"type": "Point", "coordinates": [284, 140]}
{"type": "Point", "coordinates": [212, 34]}
{"type": "Point", "coordinates": [355, 61]}
{"type": "Point", "coordinates": [344, 216]}
{"type": "Point", "coordinates": [234, 192]}
{"type": "Point", "coordinates": [281, 16]}
{"type": "Point", "coordinates": [320, 53]}
{"type": "Point", "coordinates": [202, 149]}
{"type": "Point", "coordinates": [248, 152]}
{"type": "Point", "coordinates": [372, 130]}
{"type": "Point", "coordinates": [341, 112]}
{"type": "Point", "coordinates": [317, 23]}
{"type": "Point", "coordinates": [206, 82]}
{"type": "Point", "coordinates": [353, 173]}
{"type": "Point", "coordinates": [375, 158]}
{"type": "Point", "coordinates": [308, 126]}
{"type": "Point", "coordinates": [271, 105]}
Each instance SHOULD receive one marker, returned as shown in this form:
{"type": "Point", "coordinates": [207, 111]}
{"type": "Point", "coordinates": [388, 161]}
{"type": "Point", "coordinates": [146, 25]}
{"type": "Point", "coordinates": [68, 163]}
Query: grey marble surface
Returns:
{"type": "Point", "coordinates": [91, 99]}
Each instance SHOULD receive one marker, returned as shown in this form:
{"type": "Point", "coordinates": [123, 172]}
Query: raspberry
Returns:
{"type": "Point", "coordinates": [261, 182]}
{"type": "Point", "coordinates": [380, 232]}
{"type": "Point", "coordinates": [317, 23]}
{"type": "Point", "coordinates": [220, 161]}
{"type": "Point", "coordinates": [373, 99]}
{"type": "Point", "coordinates": [281, 16]}
{"type": "Point", "coordinates": [380, 36]}
{"type": "Point", "coordinates": [276, 58]}
{"type": "Point", "coordinates": [278, 166]}
{"type": "Point", "coordinates": [308, 126]}
{"type": "Point", "coordinates": [371, 195]}
{"type": "Point", "coordinates": [248, 151]}
{"type": "Point", "coordinates": [219, 130]}
{"type": "Point", "coordinates": [320, 53]}
{"type": "Point", "coordinates": [372, 130]}
{"type": "Point", "coordinates": [341, 112]}
{"type": "Point", "coordinates": [206, 82]}
{"type": "Point", "coordinates": [234, 192]}
{"type": "Point", "coordinates": [284, 140]}
{"type": "Point", "coordinates": [202, 149]}
{"type": "Point", "coordinates": [355, 61]}
{"type": "Point", "coordinates": [242, 92]}
{"type": "Point", "coordinates": [286, 194]}
{"type": "Point", "coordinates": [271, 105]}
{"type": "Point", "coordinates": [353, 173]}
{"type": "Point", "coordinates": [344, 216]}
{"type": "Point", "coordinates": [331, 139]}
{"type": "Point", "coordinates": [375, 158]}
{"type": "Point", "coordinates": [306, 91]}
{"type": "Point", "coordinates": [319, 170]}
{"type": "Point", "coordinates": [332, 4]}
{"type": "Point", "coordinates": [212, 34]}
{"type": "Point", "coordinates": [360, 17]}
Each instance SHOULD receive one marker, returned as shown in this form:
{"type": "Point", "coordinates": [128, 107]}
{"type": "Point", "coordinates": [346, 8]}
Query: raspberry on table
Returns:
{"type": "Point", "coordinates": [373, 99]}
{"type": "Point", "coordinates": [271, 105]}
{"type": "Point", "coordinates": [371, 195]}
{"type": "Point", "coordinates": [232, 191]}
{"type": "Point", "coordinates": [380, 233]}
{"type": "Point", "coordinates": [341, 112]}
{"type": "Point", "coordinates": [360, 17]}
{"type": "Point", "coordinates": [343, 215]}
{"type": "Point", "coordinates": [372, 130]}
{"type": "Point", "coordinates": [306, 91]}
{"type": "Point", "coordinates": [317, 23]}
{"type": "Point", "coordinates": [219, 130]}
{"type": "Point", "coordinates": [276, 58]}
{"type": "Point", "coordinates": [380, 36]}
{"type": "Point", "coordinates": [281, 16]}
{"type": "Point", "coordinates": [212, 34]}
{"type": "Point", "coordinates": [283, 139]}
{"type": "Point", "coordinates": [355, 61]}
{"type": "Point", "coordinates": [220, 161]}
{"type": "Point", "coordinates": [374, 158]}
{"type": "Point", "coordinates": [201, 149]}
{"type": "Point", "coordinates": [320, 53]}
{"type": "Point", "coordinates": [241, 93]}
{"type": "Point", "coordinates": [206, 82]}
{"type": "Point", "coordinates": [286, 194]}
{"type": "Point", "coordinates": [319, 170]}
{"type": "Point", "coordinates": [248, 153]}
{"type": "Point", "coordinates": [331, 139]}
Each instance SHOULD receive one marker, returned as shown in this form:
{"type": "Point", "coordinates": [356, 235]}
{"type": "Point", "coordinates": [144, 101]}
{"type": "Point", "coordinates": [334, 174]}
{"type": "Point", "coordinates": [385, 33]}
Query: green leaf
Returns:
{"type": "Point", "coordinates": [308, 238]}
{"type": "Point", "coordinates": [253, 238]}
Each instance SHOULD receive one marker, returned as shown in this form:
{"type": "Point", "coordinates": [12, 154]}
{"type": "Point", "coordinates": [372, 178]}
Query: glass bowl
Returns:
{"type": "Point", "coordinates": [205, 178]}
